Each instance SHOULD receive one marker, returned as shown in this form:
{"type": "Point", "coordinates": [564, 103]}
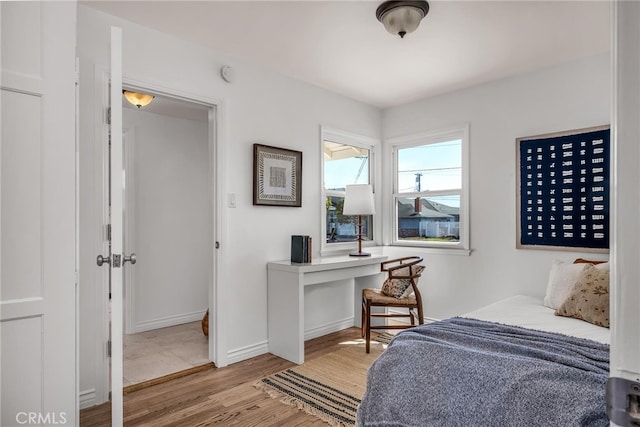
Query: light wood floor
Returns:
{"type": "Point", "coordinates": [223, 397]}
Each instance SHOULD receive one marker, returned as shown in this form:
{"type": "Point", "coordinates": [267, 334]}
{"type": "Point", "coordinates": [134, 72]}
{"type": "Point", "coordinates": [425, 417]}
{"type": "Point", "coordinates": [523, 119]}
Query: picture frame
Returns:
{"type": "Point", "coordinates": [562, 190]}
{"type": "Point", "coordinates": [277, 176]}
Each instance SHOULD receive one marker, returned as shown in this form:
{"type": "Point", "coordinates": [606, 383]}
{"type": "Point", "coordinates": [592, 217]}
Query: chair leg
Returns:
{"type": "Point", "coordinates": [420, 315]}
{"type": "Point", "coordinates": [363, 324]}
{"type": "Point", "coordinates": [368, 329]}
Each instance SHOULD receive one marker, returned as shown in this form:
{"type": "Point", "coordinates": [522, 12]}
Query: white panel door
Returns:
{"type": "Point", "coordinates": [38, 288]}
{"type": "Point", "coordinates": [624, 385]}
{"type": "Point", "coordinates": [118, 259]}
{"type": "Point", "coordinates": [115, 260]}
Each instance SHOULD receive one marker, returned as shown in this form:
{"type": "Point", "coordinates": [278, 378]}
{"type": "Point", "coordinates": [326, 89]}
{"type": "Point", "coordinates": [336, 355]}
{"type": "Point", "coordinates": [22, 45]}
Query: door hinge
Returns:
{"type": "Point", "coordinates": [77, 71]}
{"type": "Point", "coordinates": [108, 116]}
{"type": "Point", "coordinates": [623, 401]}
{"type": "Point", "coordinates": [109, 348]}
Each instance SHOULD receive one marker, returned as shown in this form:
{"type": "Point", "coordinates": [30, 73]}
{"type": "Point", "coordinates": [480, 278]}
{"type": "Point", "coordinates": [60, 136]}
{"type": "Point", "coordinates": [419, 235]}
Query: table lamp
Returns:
{"type": "Point", "coordinates": [358, 200]}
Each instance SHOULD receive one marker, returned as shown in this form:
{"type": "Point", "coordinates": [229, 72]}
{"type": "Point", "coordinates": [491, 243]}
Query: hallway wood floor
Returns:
{"type": "Point", "coordinates": [221, 396]}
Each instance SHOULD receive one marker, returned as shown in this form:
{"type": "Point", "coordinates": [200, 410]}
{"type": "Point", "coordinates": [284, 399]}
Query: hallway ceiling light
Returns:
{"type": "Point", "coordinates": [402, 17]}
{"type": "Point", "coordinates": [138, 99]}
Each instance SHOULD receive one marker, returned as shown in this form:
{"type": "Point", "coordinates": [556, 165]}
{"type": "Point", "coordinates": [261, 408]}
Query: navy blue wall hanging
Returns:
{"type": "Point", "coordinates": [563, 190]}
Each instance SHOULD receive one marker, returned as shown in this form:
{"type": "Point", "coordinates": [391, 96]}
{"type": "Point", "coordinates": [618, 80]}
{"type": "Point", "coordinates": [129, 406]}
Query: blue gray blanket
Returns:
{"type": "Point", "coordinates": [466, 372]}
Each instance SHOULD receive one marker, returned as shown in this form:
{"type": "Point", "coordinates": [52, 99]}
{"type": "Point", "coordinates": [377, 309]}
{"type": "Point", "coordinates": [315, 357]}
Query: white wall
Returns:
{"type": "Point", "coordinates": [259, 107]}
{"type": "Point", "coordinates": [570, 96]}
{"type": "Point", "coordinates": [169, 204]}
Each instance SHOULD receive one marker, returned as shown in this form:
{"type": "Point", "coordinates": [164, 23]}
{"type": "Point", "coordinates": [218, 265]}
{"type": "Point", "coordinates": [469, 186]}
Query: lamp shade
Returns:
{"type": "Point", "coordinates": [358, 200]}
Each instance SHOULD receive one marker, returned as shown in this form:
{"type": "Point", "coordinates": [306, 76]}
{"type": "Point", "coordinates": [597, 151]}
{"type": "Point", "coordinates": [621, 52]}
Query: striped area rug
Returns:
{"type": "Point", "coordinates": [384, 337]}
{"type": "Point", "coordinates": [329, 387]}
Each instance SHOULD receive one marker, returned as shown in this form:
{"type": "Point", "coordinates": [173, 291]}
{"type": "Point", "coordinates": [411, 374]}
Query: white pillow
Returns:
{"type": "Point", "coordinates": [602, 266]}
{"type": "Point", "coordinates": [562, 277]}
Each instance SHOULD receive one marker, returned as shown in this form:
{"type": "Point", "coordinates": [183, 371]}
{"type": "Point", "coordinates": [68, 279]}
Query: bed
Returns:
{"type": "Point", "coordinates": [512, 363]}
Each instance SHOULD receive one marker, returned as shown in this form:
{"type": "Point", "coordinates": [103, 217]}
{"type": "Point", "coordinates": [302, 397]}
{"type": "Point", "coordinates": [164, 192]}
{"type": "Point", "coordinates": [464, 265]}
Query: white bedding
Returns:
{"type": "Point", "coordinates": [529, 312]}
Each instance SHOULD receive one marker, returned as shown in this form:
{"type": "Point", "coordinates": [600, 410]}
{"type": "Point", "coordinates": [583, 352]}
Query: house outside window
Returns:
{"type": "Point", "coordinates": [347, 160]}
{"type": "Point", "coordinates": [430, 194]}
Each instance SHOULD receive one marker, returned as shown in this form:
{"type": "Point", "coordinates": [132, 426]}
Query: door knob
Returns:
{"type": "Point", "coordinates": [131, 258]}
{"type": "Point", "coordinates": [103, 260]}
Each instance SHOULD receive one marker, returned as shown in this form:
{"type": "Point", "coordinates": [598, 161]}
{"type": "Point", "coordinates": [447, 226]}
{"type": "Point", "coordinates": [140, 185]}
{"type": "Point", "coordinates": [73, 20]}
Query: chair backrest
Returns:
{"type": "Point", "coordinates": [394, 265]}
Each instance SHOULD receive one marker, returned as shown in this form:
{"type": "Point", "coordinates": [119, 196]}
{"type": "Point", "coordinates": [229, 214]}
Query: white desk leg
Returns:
{"type": "Point", "coordinates": [285, 315]}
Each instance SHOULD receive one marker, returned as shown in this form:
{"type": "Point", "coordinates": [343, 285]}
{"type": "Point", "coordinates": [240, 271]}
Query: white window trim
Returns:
{"type": "Point", "coordinates": [429, 137]}
{"type": "Point", "coordinates": [371, 144]}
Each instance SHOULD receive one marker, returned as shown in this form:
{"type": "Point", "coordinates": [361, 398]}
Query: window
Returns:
{"type": "Point", "coordinates": [430, 196]}
{"type": "Point", "coordinates": [347, 160]}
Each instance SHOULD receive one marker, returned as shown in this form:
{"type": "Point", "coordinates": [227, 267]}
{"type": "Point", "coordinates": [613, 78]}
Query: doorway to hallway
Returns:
{"type": "Point", "coordinates": [168, 224]}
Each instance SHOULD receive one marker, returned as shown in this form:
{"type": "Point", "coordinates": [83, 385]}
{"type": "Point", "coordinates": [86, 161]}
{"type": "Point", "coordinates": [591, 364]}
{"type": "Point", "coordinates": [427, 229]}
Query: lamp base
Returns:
{"type": "Point", "coordinates": [357, 253]}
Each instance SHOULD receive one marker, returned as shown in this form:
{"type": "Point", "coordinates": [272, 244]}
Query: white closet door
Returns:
{"type": "Point", "coordinates": [38, 215]}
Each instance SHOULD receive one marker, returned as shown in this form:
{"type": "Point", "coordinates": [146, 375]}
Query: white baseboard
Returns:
{"type": "Point", "coordinates": [244, 353]}
{"type": "Point", "coordinates": [149, 325]}
{"type": "Point", "coordinates": [87, 398]}
{"type": "Point", "coordinates": [328, 328]}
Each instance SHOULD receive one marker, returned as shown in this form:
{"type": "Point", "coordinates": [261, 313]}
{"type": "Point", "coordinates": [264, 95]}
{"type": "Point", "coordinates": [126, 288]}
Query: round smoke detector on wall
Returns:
{"type": "Point", "coordinates": [228, 74]}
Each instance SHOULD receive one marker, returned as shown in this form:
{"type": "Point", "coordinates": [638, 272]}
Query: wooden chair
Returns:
{"type": "Point", "coordinates": [396, 269]}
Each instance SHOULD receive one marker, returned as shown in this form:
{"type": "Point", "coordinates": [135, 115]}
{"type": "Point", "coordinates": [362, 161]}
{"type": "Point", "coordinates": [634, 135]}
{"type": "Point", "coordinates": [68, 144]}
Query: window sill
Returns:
{"type": "Point", "coordinates": [435, 250]}
{"type": "Point", "coordinates": [377, 249]}
{"type": "Point", "coordinates": [346, 248]}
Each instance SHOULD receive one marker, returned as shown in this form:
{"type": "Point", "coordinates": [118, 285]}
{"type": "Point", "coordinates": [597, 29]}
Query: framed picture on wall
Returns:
{"type": "Point", "coordinates": [563, 190]}
{"type": "Point", "coordinates": [277, 176]}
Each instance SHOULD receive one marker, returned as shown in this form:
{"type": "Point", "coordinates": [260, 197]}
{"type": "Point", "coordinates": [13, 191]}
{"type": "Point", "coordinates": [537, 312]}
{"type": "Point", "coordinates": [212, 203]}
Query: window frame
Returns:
{"type": "Point", "coordinates": [360, 141]}
{"type": "Point", "coordinates": [461, 132]}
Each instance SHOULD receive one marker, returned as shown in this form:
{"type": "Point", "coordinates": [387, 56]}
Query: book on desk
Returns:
{"type": "Point", "coordinates": [301, 249]}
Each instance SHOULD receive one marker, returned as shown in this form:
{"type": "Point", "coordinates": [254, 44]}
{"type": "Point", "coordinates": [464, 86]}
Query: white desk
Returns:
{"type": "Point", "coordinates": [285, 296]}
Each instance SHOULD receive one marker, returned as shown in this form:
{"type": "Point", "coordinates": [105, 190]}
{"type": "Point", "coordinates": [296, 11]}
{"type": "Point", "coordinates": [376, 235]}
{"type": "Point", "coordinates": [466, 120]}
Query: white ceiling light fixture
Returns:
{"type": "Point", "coordinates": [138, 99]}
{"type": "Point", "coordinates": [402, 17]}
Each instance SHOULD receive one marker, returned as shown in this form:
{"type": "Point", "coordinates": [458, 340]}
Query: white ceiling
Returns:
{"type": "Point", "coordinates": [340, 45]}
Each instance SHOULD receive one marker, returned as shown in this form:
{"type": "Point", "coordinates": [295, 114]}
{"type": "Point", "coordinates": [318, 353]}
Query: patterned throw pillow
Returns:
{"type": "Point", "coordinates": [401, 288]}
{"type": "Point", "coordinates": [589, 299]}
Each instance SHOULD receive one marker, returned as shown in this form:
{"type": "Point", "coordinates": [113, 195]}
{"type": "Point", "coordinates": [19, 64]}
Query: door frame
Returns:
{"type": "Point", "coordinates": [129, 243]}
{"type": "Point", "coordinates": [218, 353]}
